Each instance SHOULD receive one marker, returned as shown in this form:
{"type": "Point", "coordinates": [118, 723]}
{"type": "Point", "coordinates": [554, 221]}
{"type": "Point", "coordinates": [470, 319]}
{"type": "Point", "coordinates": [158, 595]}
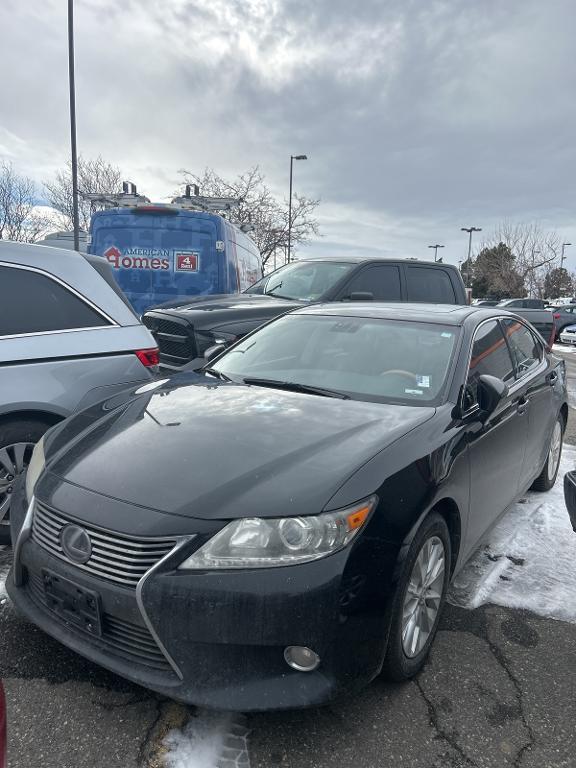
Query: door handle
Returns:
{"type": "Point", "coordinates": [523, 404]}
{"type": "Point", "coordinates": [552, 378]}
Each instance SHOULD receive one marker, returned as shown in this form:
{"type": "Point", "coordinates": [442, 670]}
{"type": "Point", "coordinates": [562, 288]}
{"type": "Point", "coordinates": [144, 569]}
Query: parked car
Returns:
{"type": "Point", "coordinates": [67, 338]}
{"type": "Point", "coordinates": [485, 302]}
{"type": "Point", "coordinates": [568, 335]}
{"type": "Point", "coordinates": [564, 316]}
{"type": "Point", "coordinates": [286, 523]}
{"type": "Point", "coordinates": [184, 330]}
{"type": "Point", "coordinates": [514, 304]}
{"type": "Point", "coordinates": [3, 743]}
{"type": "Point", "coordinates": [162, 252]}
{"type": "Point", "coordinates": [570, 496]}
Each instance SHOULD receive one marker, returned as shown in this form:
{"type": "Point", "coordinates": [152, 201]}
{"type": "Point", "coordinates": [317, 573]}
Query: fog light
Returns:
{"type": "Point", "coordinates": [301, 658]}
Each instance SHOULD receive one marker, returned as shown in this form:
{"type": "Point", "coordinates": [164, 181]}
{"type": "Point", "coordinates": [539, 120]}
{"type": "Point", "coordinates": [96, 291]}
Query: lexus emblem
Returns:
{"type": "Point", "coordinates": [76, 544]}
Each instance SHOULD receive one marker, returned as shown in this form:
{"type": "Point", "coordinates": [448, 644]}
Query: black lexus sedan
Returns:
{"type": "Point", "coordinates": [277, 529]}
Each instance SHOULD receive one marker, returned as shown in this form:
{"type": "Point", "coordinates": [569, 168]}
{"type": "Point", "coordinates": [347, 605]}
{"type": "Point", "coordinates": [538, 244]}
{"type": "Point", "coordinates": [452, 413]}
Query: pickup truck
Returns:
{"type": "Point", "coordinates": [186, 328]}
{"type": "Point", "coordinates": [542, 319]}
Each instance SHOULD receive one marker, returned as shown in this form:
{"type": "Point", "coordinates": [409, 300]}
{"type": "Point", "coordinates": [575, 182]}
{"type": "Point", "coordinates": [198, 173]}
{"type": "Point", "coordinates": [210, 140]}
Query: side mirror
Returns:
{"type": "Point", "coordinates": [570, 496]}
{"type": "Point", "coordinates": [214, 351]}
{"type": "Point", "coordinates": [361, 296]}
{"type": "Point", "coordinates": [491, 391]}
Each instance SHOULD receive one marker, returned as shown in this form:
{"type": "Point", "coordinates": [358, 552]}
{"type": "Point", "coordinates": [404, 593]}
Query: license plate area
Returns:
{"type": "Point", "coordinates": [75, 605]}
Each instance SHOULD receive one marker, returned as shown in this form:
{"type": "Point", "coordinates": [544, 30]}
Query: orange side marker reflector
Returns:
{"type": "Point", "coordinates": [358, 518]}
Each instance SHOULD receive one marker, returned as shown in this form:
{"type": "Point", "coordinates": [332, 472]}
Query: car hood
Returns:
{"type": "Point", "coordinates": [221, 451]}
{"type": "Point", "coordinates": [224, 302]}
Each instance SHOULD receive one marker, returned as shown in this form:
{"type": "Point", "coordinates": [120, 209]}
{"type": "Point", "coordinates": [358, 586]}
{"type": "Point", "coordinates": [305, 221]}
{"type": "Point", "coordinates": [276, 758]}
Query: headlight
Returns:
{"type": "Point", "coordinates": [255, 542]}
{"type": "Point", "coordinates": [207, 339]}
{"type": "Point", "coordinates": [35, 468]}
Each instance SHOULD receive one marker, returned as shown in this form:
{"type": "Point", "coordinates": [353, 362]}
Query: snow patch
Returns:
{"type": "Point", "coordinates": [4, 568]}
{"type": "Point", "coordinates": [200, 743]}
{"type": "Point", "coordinates": [529, 557]}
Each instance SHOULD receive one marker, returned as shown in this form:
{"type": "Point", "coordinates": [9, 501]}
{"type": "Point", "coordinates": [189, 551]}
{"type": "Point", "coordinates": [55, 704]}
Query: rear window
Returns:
{"type": "Point", "coordinates": [31, 302]}
{"type": "Point", "coordinates": [158, 258]}
{"type": "Point", "coordinates": [430, 284]}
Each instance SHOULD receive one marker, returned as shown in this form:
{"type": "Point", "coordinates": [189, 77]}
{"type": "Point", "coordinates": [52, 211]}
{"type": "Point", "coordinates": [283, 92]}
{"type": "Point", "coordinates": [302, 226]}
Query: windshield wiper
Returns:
{"type": "Point", "coordinates": [217, 374]}
{"type": "Point", "coordinates": [280, 296]}
{"type": "Point", "coordinates": [294, 386]}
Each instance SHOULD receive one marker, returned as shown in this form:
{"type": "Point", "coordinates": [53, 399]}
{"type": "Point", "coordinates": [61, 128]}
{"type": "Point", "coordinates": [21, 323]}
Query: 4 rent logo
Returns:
{"type": "Point", "coordinates": [152, 259]}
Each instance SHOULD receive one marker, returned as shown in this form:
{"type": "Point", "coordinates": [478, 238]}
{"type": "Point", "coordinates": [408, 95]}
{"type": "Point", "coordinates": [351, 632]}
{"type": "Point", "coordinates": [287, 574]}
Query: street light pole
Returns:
{"type": "Point", "coordinates": [470, 230]}
{"type": "Point", "coordinates": [73, 124]}
{"type": "Point", "coordinates": [436, 250]}
{"type": "Point", "coordinates": [292, 158]}
{"type": "Point", "coordinates": [563, 258]}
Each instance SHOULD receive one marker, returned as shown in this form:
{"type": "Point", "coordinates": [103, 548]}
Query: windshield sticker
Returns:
{"type": "Point", "coordinates": [413, 391]}
{"type": "Point", "coordinates": [423, 381]}
{"type": "Point", "coordinates": [446, 335]}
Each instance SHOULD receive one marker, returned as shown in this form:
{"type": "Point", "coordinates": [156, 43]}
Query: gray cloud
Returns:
{"type": "Point", "coordinates": [418, 117]}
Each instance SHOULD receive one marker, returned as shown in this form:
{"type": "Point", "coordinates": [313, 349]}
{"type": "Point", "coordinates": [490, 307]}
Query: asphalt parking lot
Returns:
{"type": "Point", "coordinates": [499, 690]}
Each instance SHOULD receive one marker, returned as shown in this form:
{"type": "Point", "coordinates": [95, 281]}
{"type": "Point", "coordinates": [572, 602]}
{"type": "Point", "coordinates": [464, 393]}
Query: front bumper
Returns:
{"type": "Point", "coordinates": [568, 338]}
{"type": "Point", "coordinates": [217, 639]}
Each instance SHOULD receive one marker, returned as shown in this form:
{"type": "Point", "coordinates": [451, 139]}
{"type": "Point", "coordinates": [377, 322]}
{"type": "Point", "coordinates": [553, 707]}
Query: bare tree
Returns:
{"type": "Point", "coordinates": [18, 217]}
{"type": "Point", "coordinates": [94, 175]}
{"type": "Point", "coordinates": [259, 207]}
{"type": "Point", "coordinates": [535, 251]}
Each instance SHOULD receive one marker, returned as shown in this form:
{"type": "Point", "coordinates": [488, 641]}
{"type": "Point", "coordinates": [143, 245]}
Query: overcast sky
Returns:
{"type": "Point", "coordinates": [418, 116]}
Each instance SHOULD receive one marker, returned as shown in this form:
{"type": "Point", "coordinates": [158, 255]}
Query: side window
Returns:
{"type": "Point", "coordinates": [526, 350]}
{"type": "Point", "coordinates": [489, 355]}
{"type": "Point", "coordinates": [430, 284]}
{"type": "Point", "coordinates": [31, 303]}
{"type": "Point", "coordinates": [381, 280]}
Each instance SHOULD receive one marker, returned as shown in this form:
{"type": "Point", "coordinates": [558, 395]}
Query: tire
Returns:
{"type": "Point", "coordinates": [17, 440]}
{"type": "Point", "coordinates": [547, 477]}
{"type": "Point", "coordinates": [404, 656]}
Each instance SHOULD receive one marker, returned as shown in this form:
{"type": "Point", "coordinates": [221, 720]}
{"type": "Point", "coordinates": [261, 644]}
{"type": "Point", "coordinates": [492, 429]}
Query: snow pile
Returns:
{"type": "Point", "coordinates": [200, 743]}
{"type": "Point", "coordinates": [529, 558]}
{"type": "Point", "coordinates": [4, 568]}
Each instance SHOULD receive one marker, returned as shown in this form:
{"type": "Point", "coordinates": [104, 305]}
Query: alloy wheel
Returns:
{"type": "Point", "coordinates": [13, 459]}
{"type": "Point", "coordinates": [423, 596]}
{"type": "Point", "coordinates": [554, 451]}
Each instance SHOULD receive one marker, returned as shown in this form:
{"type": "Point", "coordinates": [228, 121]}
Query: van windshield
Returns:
{"type": "Point", "coordinates": [302, 281]}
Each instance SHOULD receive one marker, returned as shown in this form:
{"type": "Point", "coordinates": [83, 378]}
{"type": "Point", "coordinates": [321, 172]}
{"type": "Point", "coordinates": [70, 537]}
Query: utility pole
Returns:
{"type": "Point", "coordinates": [292, 158]}
{"type": "Point", "coordinates": [563, 258]}
{"type": "Point", "coordinates": [470, 230]}
{"type": "Point", "coordinates": [436, 250]}
{"type": "Point", "coordinates": [73, 124]}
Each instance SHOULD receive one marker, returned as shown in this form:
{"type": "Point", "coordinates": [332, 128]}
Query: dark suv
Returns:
{"type": "Point", "coordinates": [186, 328]}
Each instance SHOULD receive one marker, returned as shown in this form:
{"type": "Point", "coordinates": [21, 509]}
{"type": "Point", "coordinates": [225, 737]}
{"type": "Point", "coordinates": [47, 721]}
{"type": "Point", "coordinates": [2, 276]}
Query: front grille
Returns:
{"type": "Point", "coordinates": [175, 340]}
{"type": "Point", "coordinates": [115, 557]}
{"type": "Point", "coordinates": [130, 641]}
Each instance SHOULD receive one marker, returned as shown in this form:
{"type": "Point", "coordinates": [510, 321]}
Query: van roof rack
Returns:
{"type": "Point", "coordinates": [191, 200]}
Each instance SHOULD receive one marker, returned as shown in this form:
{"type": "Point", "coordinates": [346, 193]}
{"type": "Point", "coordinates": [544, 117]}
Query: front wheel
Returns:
{"type": "Point", "coordinates": [547, 477]}
{"type": "Point", "coordinates": [17, 441]}
{"type": "Point", "coordinates": [419, 599]}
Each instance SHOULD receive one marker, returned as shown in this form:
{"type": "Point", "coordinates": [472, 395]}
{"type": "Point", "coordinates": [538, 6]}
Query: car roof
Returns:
{"type": "Point", "coordinates": [46, 257]}
{"type": "Point", "coordinates": [450, 314]}
{"type": "Point", "coordinates": [369, 259]}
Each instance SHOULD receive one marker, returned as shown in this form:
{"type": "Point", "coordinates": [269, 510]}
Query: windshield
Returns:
{"type": "Point", "coordinates": [365, 358]}
{"type": "Point", "coordinates": [302, 281]}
